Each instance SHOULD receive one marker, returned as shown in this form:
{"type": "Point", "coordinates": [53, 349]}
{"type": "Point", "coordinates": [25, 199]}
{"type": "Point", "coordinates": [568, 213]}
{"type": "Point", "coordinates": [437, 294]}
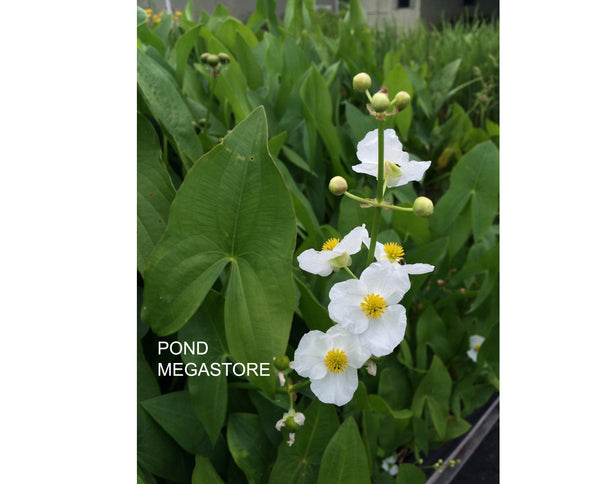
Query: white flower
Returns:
{"type": "Point", "coordinates": [393, 253]}
{"type": "Point", "coordinates": [334, 254]}
{"type": "Point", "coordinates": [475, 343]}
{"type": "Point", "coordinates": [369, 307]}
{"type": "Point", "coordinates": [330, 360]}
{"type": "Point", "coordinates": [290, 442]}
{"type": "Point", "coordinates": [389, 465]}
{"type": "Point", "coordinates": [398, 169]}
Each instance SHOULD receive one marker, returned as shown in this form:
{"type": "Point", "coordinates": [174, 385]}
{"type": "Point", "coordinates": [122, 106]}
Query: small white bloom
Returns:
{"type": "Point", "coordinates": [330, 360]}
{"type": "Point", "coordinates": [475, 343]}
{"type": "Point", "coordinates": [290, 442]}
{"type": "Point", "coordinates": [389, 465]}
{"type": "Point", "coordinates": [297, 416]}
{"type": "Point", "coordinates": [398, 169]}
{"type": "Point", "coordinates": [369, 307]}
{"type": "Point", "coordinates": [372, 368]}
{"type": "Point", "coordinates": [334, 254]}
{"type": "Point", "coordinates": [393, 253]}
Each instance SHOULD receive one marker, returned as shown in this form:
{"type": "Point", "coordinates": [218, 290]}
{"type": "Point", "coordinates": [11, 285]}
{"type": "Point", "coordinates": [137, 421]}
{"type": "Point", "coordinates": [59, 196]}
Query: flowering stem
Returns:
{"type": "Point", "coordinates": [374, 203]}
{"type": "Point", "coordinates": [350, 272]}
{"type": "Point", "coordinates": [380, 183]}
{"type": "Point", "coordinates": [298, 386]}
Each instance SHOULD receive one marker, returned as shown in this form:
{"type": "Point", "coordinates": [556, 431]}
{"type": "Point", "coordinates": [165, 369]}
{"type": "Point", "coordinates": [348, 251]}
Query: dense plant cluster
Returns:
{"type": "Point", "coordinates": [241, 127]}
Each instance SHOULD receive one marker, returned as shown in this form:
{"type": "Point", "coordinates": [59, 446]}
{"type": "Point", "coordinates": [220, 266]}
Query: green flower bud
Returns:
{"type": "Point", "coordinates": [291, 425]}
{"type": "Point", "coordinates": [282, 363]}
{"type": "Point", "coordinates": [361, 82]}
{"type": "Point", "coordinates": [338, 185]}
{"type": "Point", "coordinates": [402, 100]}
{"type": "Point", "coordinates": [223, 58]}
{"type": "Point", "coordinates": [380, 102]}
{"type": "Point", "coordinates": [212, 60]}
{"type": "Point", "coordinates": [423, 207]}
{"type": "Point", "coordinates": [204, 57]}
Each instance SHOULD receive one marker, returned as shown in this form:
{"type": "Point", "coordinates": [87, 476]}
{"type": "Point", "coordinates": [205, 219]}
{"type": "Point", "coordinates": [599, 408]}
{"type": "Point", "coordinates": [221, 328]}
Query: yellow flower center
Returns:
{"type": "Point", "coordinates": [330, 244]}
{"type": "Point", "coordinates": [373, 305]}
{"type": "Point", "coordinates": [393, 251]}
{"type": "Point", "coordinates": [476, 347]}
{"type": "Point", "coordinates": [336, 361]}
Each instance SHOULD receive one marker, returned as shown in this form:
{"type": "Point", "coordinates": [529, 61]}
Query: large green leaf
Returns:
{"type": "Point", "coordinates": [249, 446]}
{"type": "Point", "coordinates": [164, 99]}
{"type": "Point", "coordinates": [474, 179]}
{"type": "Point", "coordinates": [299, 464]}
{"type": "Point", "coordinates": [233, 209]}
{"type": "Point", "coordinates": [155, 191]}
{"type": "Point", "coordinates": [435, 385]}
{"type": "Point", "coordinates": [410, 474]}
{"type": "Point", "coordinates": [317, 112]}
{"type": "Point", "coordinates": [208, 393]}
{"type": "Point", "coordinates": [204, 472]}
{"type": "Point", "coordinates": [173, 411]}
{"type": "Point", "coordinates": [345, 459]}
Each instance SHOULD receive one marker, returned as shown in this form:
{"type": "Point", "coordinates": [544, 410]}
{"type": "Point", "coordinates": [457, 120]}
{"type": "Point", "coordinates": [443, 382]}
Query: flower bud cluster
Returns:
{"type": "Point", "coordinates": [380, 102]}
{"type": "Point", "coordinates": [215, 61]}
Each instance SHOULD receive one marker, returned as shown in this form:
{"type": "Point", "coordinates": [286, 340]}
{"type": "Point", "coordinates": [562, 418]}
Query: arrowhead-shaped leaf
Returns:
{"type": "Point", "coordinates": [232, 209]}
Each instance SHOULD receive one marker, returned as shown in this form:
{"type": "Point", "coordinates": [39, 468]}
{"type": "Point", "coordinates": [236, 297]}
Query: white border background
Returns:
{"type": "Point", "coordinates": [69, 245]}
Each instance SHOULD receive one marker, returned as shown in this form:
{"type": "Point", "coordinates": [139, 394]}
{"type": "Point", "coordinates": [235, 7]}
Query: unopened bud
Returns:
{"type": "Point", "coordinates": [361, 82]}
{"type": "Point", "coordinates": [291, 425]}
{"type": "Point", "coordinates": [212, 60]}
{"type": "Point", "coordinates": [338, 185]}
{"type": "Point", "coordinates": [282, 363]}
{"type": "Point", "coordinates": [402, 100]}
{"type": "Point", "coordinates": [380, 102]}
{"type": "Point", "coordinates": [204, 57]}
{"type": "Point", "coordinates": [423, 207]}
{"type": "Point", "coordinates": [223, 58]}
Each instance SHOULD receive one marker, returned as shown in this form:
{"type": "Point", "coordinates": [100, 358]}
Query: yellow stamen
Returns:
{"type": "Point", "coordinates": [393, 251]}
{"type": "Point", "coordinates": [336, 361]}
{"type": "Point", "coordinates": [476, 347]}
{"type": "Point", "coordinates": [330, 244]}
{"type": "Point", "coordinates": [373, 305]}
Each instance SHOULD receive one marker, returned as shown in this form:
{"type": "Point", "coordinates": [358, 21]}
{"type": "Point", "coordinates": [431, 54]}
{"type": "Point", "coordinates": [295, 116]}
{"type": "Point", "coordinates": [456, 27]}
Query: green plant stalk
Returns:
{"type": "Point", "coordinates": [380, 183]}
{"type": "Point", "coordinates": [374, 203]}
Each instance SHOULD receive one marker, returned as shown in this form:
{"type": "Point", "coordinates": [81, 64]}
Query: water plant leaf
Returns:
{"type": "Point", "coordinates": [232, 210]}
{"type": "Point", "coordinates": [345, 459]}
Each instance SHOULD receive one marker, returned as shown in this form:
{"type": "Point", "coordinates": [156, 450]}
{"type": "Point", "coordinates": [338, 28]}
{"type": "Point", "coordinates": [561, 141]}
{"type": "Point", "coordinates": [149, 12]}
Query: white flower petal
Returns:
{"type": "Point", "coordinates": [386, 332]}
{"type": "Point", "coordinates": [315, 262]}
{"type": "Point", "coordinates": [367, 168]}
{"type": "Point", "coordinates": [366, 150]}
{"type": "Point", "coordinates": [411, 171]}
{"type": "Point", "coordinates": [392, 145]}
{"type": "Point", "coordinates": [475, 340]}
{"type": "Point", "coordinates": [336, 388]}
{"type": "Point", "coordinates": [342, 339]}
{"type": "Point", "coordinates": [473, 355]}
{"type": "Point", "coordinates": [418, 268]}
{"type": "Point", "coordinates": [309, 358]}
{"type": "Point", "coordinates": [353, 241]}
{"type": "Point", "coordinates": [386, 280]}
{"type": "Point", "coordinates": [344, 306]}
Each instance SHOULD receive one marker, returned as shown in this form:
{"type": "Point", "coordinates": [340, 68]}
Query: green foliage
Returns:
{"type": "Point", "coordinates": [233, 166]}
